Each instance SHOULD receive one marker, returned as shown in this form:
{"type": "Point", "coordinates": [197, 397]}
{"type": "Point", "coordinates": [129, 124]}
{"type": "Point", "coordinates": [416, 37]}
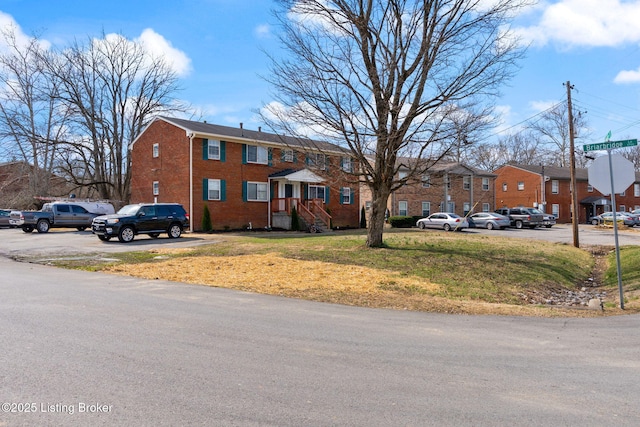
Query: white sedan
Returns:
{"type": "Point", "coordinates": [444, 221]}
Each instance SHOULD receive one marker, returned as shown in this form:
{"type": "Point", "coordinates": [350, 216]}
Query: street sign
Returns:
{"type": "Point", "coordinates": [609, 145]}
{"type": "Point", "coordinates": [600, 174]}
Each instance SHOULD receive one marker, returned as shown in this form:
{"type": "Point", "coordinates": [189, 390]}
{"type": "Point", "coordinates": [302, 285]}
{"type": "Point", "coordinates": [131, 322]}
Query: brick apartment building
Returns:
{"type": "Point", "coordinates": [549, 189]}
{"type": "Point", "coordinates": [463, 187]}
{"type": "Point", "coordinates": [246, 178]}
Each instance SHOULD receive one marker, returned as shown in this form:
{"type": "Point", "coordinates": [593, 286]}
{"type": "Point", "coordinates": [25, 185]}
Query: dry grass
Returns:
{"type": "Point", "coordinates": [243, 264]}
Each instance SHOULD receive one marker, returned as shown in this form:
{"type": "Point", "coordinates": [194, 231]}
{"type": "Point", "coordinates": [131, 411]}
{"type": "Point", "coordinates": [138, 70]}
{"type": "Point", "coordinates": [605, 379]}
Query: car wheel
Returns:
{"type": "Point", "coordinates": [548, 226]}
{"type": "Point", "coordinates": [174, 231]}
{"type": "Point", "coordinates": [594, 222]}
{"type": "Point", "coordinates": [518, 225]}
{"type": "Point", "coordinates": [154, 235]}
{"type": "Point", "coordinates": [490, 226]}
{"type": "Point", "coordinates": [126, 234]}
{"type": "Point", "coordinates": [27, 228]}
{"type": "Point", "coordinates": [42, 226]}
{"type": "Point", "coordinates": [421, 225]}
{"type": "Point", "coordinates": [447, 227]}
{"type": "Point", "coordinates": [104, 238]}
{"type": "Point", "coordinates": [81, 228]}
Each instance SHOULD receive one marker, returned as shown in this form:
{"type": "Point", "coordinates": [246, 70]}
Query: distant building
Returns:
{"type": "Point", "coordinates": [445, 187]}
{"type": "Point", "coordinates": [549, 189]}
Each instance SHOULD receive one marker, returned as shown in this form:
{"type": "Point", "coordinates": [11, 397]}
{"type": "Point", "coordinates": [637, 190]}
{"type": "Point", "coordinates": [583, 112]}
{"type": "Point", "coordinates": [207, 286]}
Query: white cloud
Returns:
{"type": "Point", "coordinates": [540, 106]}
{"type": "Point", "coordinates": [591, 23]}
{"type": "Point", "coordinates": [262, 31]}
{"type": "Point", "coordinates": [9, 25]}
{"type": "Point", "coordinates": [626, 76]}
{"type": "Point", "coordinates": [158, 46]}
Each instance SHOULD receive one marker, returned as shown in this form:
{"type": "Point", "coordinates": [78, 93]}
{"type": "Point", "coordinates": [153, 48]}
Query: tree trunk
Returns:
{"type": "Point", "coordinates": [376, 221]}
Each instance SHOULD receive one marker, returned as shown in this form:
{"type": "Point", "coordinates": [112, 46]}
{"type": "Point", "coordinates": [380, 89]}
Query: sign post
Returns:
{"type": "Point", "coordinates": [626, 176]}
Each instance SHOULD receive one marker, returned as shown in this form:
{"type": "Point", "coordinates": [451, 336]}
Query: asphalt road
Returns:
{"type": "Point", "coordinates": [82, 348]}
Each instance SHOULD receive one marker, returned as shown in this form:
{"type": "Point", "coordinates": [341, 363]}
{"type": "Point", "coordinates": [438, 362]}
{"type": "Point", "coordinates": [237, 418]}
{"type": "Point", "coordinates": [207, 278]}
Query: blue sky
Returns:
{"type": "Point", "coordinates": [217, 47]}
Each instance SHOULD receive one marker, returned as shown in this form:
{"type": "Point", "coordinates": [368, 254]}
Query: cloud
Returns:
{"type": "Point", "coordinates": [262, 31]}
{"type": "Point", "coordinates": [540, 106]}
{"type": "Point", "coordinates": [158, 46]}
{"type": "Point", "coordinates": [625, 76]}
{"type": "Point", "coordinates": [590, 23]}
{"type": "Point", "coordinates": [10, 26]}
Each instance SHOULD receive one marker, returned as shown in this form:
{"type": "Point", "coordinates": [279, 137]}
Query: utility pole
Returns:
{"type": "Point", "coordinates": [572, 167]}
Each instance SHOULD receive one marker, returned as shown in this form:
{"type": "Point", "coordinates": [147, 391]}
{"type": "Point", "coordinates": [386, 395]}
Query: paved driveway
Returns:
{"type": "Point", "coordinates": [62, 242]}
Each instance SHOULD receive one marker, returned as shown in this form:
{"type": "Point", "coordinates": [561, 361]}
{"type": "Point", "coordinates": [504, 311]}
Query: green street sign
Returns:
{"type": "Point", "coordinates": [609, 145]}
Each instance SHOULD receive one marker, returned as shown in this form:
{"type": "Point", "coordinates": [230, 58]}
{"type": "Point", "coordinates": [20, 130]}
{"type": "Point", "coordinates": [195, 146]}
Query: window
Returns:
{"type": "Point", "coordinates": [316, 192]}
{"type": "Point", "coordinates": [317, 159]}
{"type": "Point", "coordinates": [287, 156]}
{"type": "Point", "coordinates": [636, 190]}
{"type": "Point", "coordinates": [156, 150]}
{"type": "Point", "coordinates": [520, 185]}
{"type": "Point", "coordinates": [426, 208]}
{"type": "Point", "coordinates": [485, 207]}
{"type": "Point", "coordinates": [347, 164]}
{"type": "Point", "coordinates": [257, 191]}
{"type": "Point", "coordinates": [213, 192]}
{"type": "Point", "coordinates": [257, 154]}
{"type": "Point", "coordinates": [466, 207]}
{"type": "Point", "coordinates": [213, 149]}
{"type": "Point", "coordinates": [156, 188]}
{"type": "Point", "coordinates": [367, 205]}
{"type": "Point", "coordinates": [426, 181]}
{"type": "Point", "coordinates": [485, 184]}
{"type": "Point", "coordinates": [466, 183]}
{"type": "Point", "coordinates": [346, 196]}
{"type": "Point", "coordinates": [402, 208]}
{"type": "Point", "coordinates": [590, 188]}
{"type": "Point", "coordinates": [555, 210]}
{"type": "Point", "coordinates": [78, 209]}
{"type": "Point", "coordinates": [554, 186]}
{"type": "Point", "coordinates": [504, 186]}
{"type": "Point", "coordinates": [623, 208]}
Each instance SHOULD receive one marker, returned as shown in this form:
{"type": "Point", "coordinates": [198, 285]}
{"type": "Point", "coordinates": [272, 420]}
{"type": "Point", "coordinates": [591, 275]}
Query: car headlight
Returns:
{"type": "Point", "coordinates": [113, 221]}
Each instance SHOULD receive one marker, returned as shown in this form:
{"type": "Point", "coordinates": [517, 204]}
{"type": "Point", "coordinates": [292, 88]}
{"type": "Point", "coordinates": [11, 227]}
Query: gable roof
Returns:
{"type": "Point", "coordinates": [213, 131]}
{"type": "Point", "coordinates": [559, 173]}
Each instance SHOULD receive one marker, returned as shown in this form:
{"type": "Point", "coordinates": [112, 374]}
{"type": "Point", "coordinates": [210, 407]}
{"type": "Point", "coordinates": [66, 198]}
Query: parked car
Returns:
{"type": "Point", "coordinates": [523, 217]}
{"type": "Point", "coordinates": [548, 220]}
{"type": "Point", "coordinates": [607, 217]}
{"type": "Point", "coordinates": [144, 218]}
{"type": "Point", "coordinates": [489, 220]}
{"type": "Point", "coordinates": [635, 215]}
{"type": "Point", "coordinates": [4, 218]}
{"type": "Point", "coordinates": [60, 214]}
{"type": "Point", "coordinates": [443, 220]}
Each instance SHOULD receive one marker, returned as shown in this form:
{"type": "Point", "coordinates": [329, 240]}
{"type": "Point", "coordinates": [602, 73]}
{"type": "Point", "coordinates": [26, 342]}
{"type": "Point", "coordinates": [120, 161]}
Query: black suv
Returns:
{"type": "Point", "coordinates": [144, 218]}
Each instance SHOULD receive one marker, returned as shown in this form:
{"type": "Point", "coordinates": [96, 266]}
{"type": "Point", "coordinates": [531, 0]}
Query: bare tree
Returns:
{"type": "Point", "coordinates": [112, 87]}
{"type": "Point", "coordinates": [388, 78]}
{"type": "Point", "coordinates": [32, 120]}
{"type": "Point", "coordinates": [552, 129]}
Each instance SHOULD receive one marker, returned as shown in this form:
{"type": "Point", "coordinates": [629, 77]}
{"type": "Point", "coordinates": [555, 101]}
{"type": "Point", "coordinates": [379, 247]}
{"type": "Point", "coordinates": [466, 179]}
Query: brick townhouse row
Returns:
{"type": "Point", "coordinates": [549, 189]}
{"type": "Point", "coordinates": [464, 188]}
{"type": "Point", "coordinates": [246, 178]}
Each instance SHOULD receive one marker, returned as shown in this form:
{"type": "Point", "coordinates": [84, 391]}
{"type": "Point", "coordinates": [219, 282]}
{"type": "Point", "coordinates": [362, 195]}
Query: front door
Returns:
{"type": "Point", "coordinates": [288, 190]}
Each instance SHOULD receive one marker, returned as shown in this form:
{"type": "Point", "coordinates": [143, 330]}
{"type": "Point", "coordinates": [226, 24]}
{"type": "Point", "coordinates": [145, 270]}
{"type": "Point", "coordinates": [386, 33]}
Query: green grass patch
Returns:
{"type": "Point", "coordinates": [629, 266]}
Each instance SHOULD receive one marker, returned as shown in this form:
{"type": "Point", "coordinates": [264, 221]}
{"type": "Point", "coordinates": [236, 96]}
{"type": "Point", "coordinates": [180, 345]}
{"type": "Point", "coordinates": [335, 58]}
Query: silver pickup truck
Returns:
{"type": "Point", "coordinates": [62, 215]}
{"type": "Point", "coordinates": [523, 217]}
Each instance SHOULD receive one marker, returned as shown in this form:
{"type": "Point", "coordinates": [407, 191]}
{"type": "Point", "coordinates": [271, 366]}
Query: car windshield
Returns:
{"type": "Point", "coordinates": [534, 211]}
{"type": "Point", "coordinates": [129, 210]}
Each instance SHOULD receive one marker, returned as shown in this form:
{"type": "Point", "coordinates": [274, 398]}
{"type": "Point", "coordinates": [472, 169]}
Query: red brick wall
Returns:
{"type": "Point", "coordinates": [171, 169]}
{"type": "Point", "coordinates": [530, 195]}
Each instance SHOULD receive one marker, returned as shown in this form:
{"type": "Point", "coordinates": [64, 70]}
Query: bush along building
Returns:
{"type": "Point", "coordinates": [246, 179]}
{"type": "Point", "coordinates": [444, 187]}
{"type": "Point", "coordinates": [548, 188]}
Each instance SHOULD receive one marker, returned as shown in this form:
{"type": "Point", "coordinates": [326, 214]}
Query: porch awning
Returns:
{"type": "Point", "coordinates": [302, 175]}
{"type": "Point", "coordinates": [595, 200]}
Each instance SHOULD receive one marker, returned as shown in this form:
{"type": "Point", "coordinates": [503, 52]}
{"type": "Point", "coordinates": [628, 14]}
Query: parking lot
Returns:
{"type": "Point", "coordinates": [64, 242]}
